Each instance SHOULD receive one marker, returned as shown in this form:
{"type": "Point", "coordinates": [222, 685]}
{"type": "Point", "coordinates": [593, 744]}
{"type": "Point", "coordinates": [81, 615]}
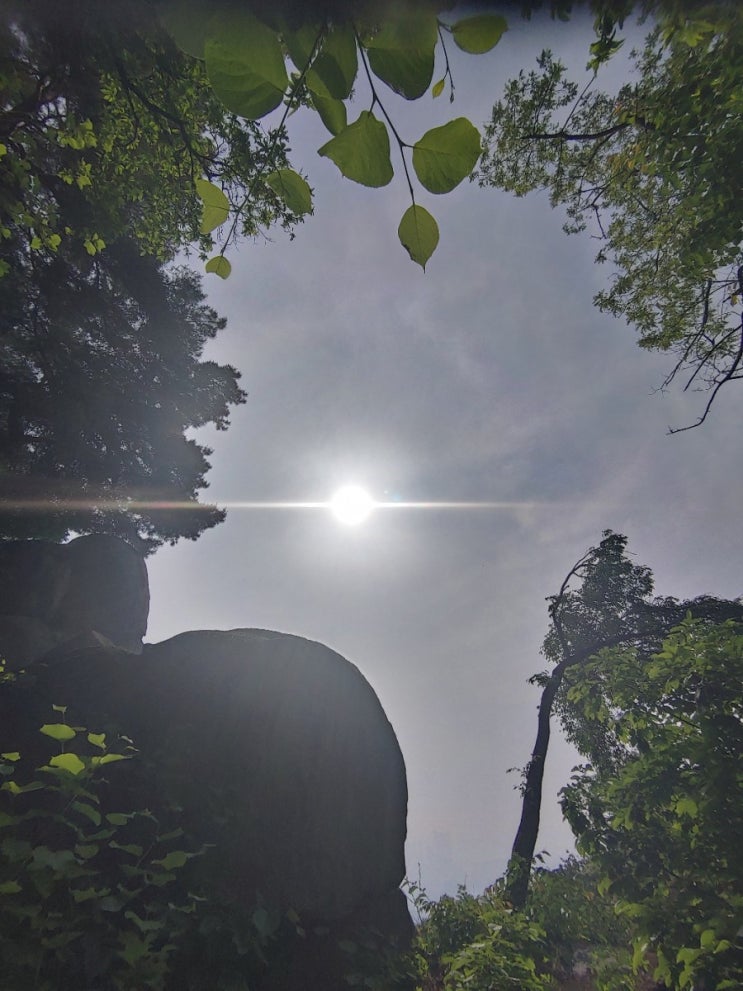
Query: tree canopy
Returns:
{"type": "Point", "coordinates": [100, 379]}
{"type": "Point", "coordinates": [654, 172]}
{"type": "Point", "coordinates": [664, 825]}
{"type": "Point", "coordinates": [605, 603]}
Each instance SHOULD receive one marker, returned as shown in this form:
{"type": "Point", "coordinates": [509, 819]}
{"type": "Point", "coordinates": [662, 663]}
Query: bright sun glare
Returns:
{"type": "Point", "coordinates": [351, 505]}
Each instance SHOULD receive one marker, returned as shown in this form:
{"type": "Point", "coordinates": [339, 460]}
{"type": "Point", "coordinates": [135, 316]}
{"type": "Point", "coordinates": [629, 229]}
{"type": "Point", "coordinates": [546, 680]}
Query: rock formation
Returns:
{"type": "Point", "coordinates": [275, 747]}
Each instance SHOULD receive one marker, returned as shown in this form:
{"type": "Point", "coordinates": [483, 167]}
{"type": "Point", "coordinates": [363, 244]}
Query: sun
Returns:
{"type": "Point", "coordinates": [351, 505]}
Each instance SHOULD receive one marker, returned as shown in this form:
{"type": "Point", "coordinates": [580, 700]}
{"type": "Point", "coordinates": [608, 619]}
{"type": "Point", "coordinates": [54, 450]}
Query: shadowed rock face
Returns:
{"type": "Point", "coordinates": [276, 748]}
{"type": "Point", "coordinates": [51, 593]}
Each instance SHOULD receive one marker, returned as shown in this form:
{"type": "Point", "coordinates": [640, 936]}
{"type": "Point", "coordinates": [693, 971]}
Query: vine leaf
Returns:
{"type": "Point", "coordinates": [438, 88]}
{"type": "Point", "coordinates": [58, 731]}
{"type": "Point", "coordinates": [290, 187]}
{"type": "Point", "coordinates": [216, 205]}
{"type": "Point", "coordinates": [446, 155]}
{"type": "Point", "coordinates": [362, 151]}
{"type": "Point", "coordinates": [419, 234]}
{"type": "Point", "coordinates": [68, 762]}
{"type": "Point", "coordinates": [402, 53]}
{"type": "Point", "coordinates": [220, 266]}
{"type": "Point", "coordinates": [332, 112]}
{"type": "Point", "coordinates": [245, 64]}
{"type": "Point", "coordinates": [479, 34]}
{"type": "Point", "coordinates": [334, 70]}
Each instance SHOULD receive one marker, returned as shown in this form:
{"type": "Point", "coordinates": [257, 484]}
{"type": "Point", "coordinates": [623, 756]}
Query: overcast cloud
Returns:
{"type": "Point", "coordinates": [489, 378]}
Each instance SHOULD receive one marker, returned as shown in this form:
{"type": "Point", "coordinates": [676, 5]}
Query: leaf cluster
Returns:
{"type": "Point", "coordinates": [257, 61]}
{"type": "Point", "coordinates": [88, 895]}
{"type": "Point", "coordinates": [653, 171]}
{"type": "Point", "coordinates": [663, 826]}
{"type": "Point", "coordinates": [102, 375]}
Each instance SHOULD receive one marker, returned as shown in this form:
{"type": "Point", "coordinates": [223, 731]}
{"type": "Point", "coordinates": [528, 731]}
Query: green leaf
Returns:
{"type": "Point", "coordinates": [55, 860]}
{"type": "Point", "coordinates": [186, 21]}
{"type": "Point", "coordinates": [87, 810]}
{"type": "Point", "coordinates": [86, 850]}
{"type": "Point", "coordinates": [119, 818]}
{"type": "Point", "coordinates": [245, 64]}
{"type": "Point", "coordinates": [176, 858]}
{"type": "Point", "coordinates": [290, 187]}
{"type": "Point", "coordinates": [98, 740]}
{"type": "Point", "coordinates": [13, 755]}
{"type": "Point", "coordinates": [362, 151]}
{"type": "Point", "coordinates": [480, 33]}
{"type": "Point", "coordinates": [446, 155]}
{"type": "Point", "coordinates": [438, 88]}
{"type": "Point", "coordinates": [332, 112]}
{"type": "Point", "coordinates": [58, 731]}
{"type": "Point", "coordinates": [301, 43]}
{"type": "Point", "coordinates": [707, 939]}
{"type": "Point", "coordinates": [60, 708]}
{"type": "Point", "coordinates": [220, 266]}
{"type": "Point", "coordinates": [419, 234]}
{"type": "Point", "coordinates": [84, 895]}
{"type": "Point", "coordinates": [16, 789]}
{"type": "Point", "coordinates": [133, 947]}
{"type": "Point", "coordinates": [68, 762]}
{"type": "Point", "coordinates": [10, 888]}
{"type": "Point", "coordinates": [144, 925]}
{"type": "Point", "coordinates": [216, 205]}
{"type": "Point", "coordinates": [110, 758]}
{"type": "Point", "coordinates": [687, 807]}
{"type": "Point", "coordinates": [334, 70]}
{"type": "Point", "coordinates": [402, 53]}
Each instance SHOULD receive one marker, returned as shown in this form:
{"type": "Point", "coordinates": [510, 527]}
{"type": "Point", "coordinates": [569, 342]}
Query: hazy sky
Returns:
{"type": "Point", "coordinates": [488, 378]}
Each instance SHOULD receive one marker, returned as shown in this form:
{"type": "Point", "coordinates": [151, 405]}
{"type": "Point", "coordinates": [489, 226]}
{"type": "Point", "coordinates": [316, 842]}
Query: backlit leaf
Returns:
{"type": "Point", "coordinates": [98, 740]}
{"type": "Point", "coordinates": [245, 64]}
{"type": "Point", "coordinates": [301, 43]}
{"type": "Point", "coordinates": [402, 53]}
{"type": "Point", "coordinates": [58, 731]}
{"type": "Point", "coordinates": [290, 187]}
{"type": "Point", "coordinates": [220, 266]}
{"type": "Point", "coordinates": [438, 88]}
{"type": "Point", "coordinates": [419, 234]}
{"type": "Point", "coordinates": [68, 762]}
{"type": "Point", "coordinates": [480, 33]}
{"type": "Point", "coordinates": [334, 70]}
{"type": "Point", "coordinates": [446, 155]}
{"type": "Point", "coordinates": [216, 205]}
{"type": "Point", "coordinates": [186, 21]}
{"type": "Point", "coordinates": [110, 758]}
{"type": "Point", "coordinates": [332, 112]}
{"type": "Point", "coordinates": [362, 151]}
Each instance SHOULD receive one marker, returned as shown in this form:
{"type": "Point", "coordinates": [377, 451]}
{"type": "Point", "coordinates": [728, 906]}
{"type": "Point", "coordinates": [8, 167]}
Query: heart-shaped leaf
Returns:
{"type": "Point", "coordinates": [245, 64]}
{"type": "Point", "coordinates": [402, 53]}
{"type": "Point", "coordinates": [292, 189]}
{"type": "Point", "coordinates": [362, 151]}
{"type": "Point", "coordinates": [446, 155]}
{"type": "Point", "coordinates": [480, 33]}
{"type": "Point", "coordinates": [220, 266]}
{"type": "Point", "coordinates": [419, 234]}
{"type": "Point", "coordinates": [216, 205]}
{"type": "Point", "coordinates": [332, 112]}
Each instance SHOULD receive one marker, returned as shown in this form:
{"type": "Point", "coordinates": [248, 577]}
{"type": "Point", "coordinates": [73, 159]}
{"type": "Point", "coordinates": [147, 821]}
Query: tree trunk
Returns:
{"type": "Point", "coordinates": [522, 852]}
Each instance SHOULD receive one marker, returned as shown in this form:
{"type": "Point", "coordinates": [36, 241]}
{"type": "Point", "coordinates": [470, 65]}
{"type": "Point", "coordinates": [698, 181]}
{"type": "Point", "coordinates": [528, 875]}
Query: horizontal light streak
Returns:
{"type": "Point", "coordinates": [135, 505]}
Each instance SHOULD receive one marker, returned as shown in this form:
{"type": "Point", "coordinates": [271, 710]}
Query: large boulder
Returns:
{"type": "Point", "coordinates": [51, 593]}
{"type": "Point", "coordinates": [275, 748]}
